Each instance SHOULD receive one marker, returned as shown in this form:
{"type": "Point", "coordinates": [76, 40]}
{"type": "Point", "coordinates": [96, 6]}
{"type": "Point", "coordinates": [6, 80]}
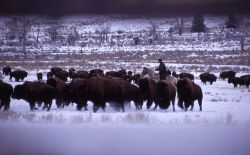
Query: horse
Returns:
{"type": "Point", "coordinates": [150, 73]}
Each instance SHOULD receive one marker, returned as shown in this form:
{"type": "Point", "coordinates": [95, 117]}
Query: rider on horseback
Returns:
{"type": "Point", "coordinates": [162, 70]}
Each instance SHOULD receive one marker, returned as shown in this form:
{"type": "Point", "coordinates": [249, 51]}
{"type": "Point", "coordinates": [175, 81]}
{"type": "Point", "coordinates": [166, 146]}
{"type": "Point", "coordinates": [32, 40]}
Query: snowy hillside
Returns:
{"type": "Point", "coordinates": [118, 33]}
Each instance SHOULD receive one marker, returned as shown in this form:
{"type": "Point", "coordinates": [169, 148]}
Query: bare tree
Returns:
{"type": "Point", "coordinates": [153, 32]}
{"type": "Point", "coordinates": [18, 28]}
{"type": "Point", "coordinates": [103, 30]}
{"type": "Point", "coordinates": [53, 31]}
{"type": "Point", "coordinates": [242, 35]}
{"type": "Point", "coordinates": [73, 36]}
{"type": "Point", "coordinates": [180, 21]}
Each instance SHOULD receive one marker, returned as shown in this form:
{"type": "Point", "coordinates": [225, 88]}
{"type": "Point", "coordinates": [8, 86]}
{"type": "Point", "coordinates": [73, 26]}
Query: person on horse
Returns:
{"type": "Point", "coordinates": [162, 70]}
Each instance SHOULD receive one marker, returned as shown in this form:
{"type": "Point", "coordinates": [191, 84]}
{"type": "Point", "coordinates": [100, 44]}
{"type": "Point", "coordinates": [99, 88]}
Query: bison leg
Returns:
{"type": "Point", "coordinates": [200, 104]}
{"type": "Point", "coordinates": [173, 104]}
{"type": "Point", "coordinates": [180, 104]}
{"type": "Point", "coordinates": [149, 103]}
{"type": "Point", "coordinates": [32, 106]}
{"type": "Point", "coordinates": [59, 102]}
{"type": "Point", "coordinates": [156, 106]}
{"type": "Point", "coordinates": [122, 107]}
{"type": "Point", "coordinates": [49, 103]}
{"type": "Point", "coordinates": [6, 104]}
{"type": "Point", "coordinates": [186, 104]}
{"type": "Point", "coordinates": [95, 108]}
{"type": "Point", "coordinates": [192, 106]}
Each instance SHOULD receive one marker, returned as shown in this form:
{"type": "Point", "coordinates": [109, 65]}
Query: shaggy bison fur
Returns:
{"type": "Point", "coordinates": [6, 70]}
{"type": "Point", "coordinates": [188, 92]}
{"type": "Point", "coordinates": [59, 85]}
{"type": "Point", "coordinates": [63, 75]}
{"type": "Point", "coordinates": [149, 91]}
{"type": "Point", "coordinates": [207, 77]}
{"type": "Point", "coordinates": [186, 75]}
{"type": "Point", "coordinates": [166, 93]}
{"type": "Point", "coordinates": [33, 92]}
{"type": "Point", "coordinates": [18, 75]}
{"type": "Point", "coordinates": [243, 80]}
{"type": "Point", "coordinates": [227, 74]}
{"type": "Point", "coordinates": [130, 92]}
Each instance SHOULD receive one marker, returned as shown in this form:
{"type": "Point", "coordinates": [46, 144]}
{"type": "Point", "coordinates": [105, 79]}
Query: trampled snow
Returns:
{"type": "Point", "coordinates": [221, 128]}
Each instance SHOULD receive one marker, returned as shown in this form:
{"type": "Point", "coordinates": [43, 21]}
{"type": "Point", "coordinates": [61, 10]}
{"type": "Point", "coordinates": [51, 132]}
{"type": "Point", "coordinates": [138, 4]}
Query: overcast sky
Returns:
{"type": "Point", "coordinates": [66, 7]}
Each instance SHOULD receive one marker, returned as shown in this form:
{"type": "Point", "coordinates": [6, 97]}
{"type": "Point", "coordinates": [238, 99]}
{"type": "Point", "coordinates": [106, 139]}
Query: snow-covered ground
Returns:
{"type": "Point", "coordinates": [223, 127]}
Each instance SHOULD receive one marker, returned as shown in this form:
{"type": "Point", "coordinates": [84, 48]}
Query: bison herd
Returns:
{"type": "Point", "coordinates": [118, 88]}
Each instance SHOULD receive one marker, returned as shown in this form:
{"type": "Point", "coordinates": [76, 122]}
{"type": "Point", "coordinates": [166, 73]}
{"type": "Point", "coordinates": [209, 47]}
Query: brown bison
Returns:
{"type": "Point", "coordinates": [33, 92]}
{"type": "Point", "coordinates": [207, 77]}
{"type": "Point", "coordinates": [186, 75]}
{"type": "Point", "coordinates": [246, 80]}
{"type": "Point", "coordinates": [59, 85]}
{"type": "Point", "coordinates": [5, 94]}
{"type": "Point", "coordinates": [243, 80]}
{"type": "Point", "coordinates": [166, 92]}
{"type": "Point", "coordinates": [95, 72]}
{"type": "Point", "coordinates": [80, 74]}
{"type": "Point", "coordinates": [63, 75]}
{"type": "Point", "coordinates": [49, 74]}
{"type": "Point", "coordinates": [54, 70]}
{"type": "Point", "coordinates": [18, 75]}
{"type": "Point", "coordinates": [98, 90]}
{"type": "Point", "coordinates": [130, 92]}
{"type": "Point", "coordinates": [188, 92]}
{"type": "Point", "coordinates": [71, 93]}
{"type": "Point", "coordinates": [71, 73]}
{"type": "Point", "coordinates": [39, 76]}
{"type": "Point", "coordinates": [121, 73]}
{"type": "Point", "coordinates": [227, 74]}
{"type": "Point", "coordinates": [149, 91]}
{"type": "Point", "coordinates": [6, 70]}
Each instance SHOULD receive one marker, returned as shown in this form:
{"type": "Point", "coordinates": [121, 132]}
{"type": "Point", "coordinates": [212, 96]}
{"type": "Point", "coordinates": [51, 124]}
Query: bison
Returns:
{"type": "Point", "coordinates": [166, 92]}
{"type": "Point", "coordinates": [81, 74]}
{"type": "Point", "coordinates": [149, 91]}
{"type": "Point", "coordinates": [18, 75]}
{"type": "Point", "coordinates": [243, 80]}
{"type": "Point", "coordinates": [39, 76]}
{"type": "Point", "coordinates": [33, 92]}
{"type": "Point", "coordinates": [63, 75]}
{"type": "Point", "coordinates": [130, 92]}
{"type": "Point", "coordinates": [49, 74]}
{"type": "Point", "coordinates": [6, 70]}
{"type": "Point", "coordinates": [246, 80]}
{"type": "Point", "coordinates": [186, 75]}
{"type": "Point", "coordinates": [97, 89]}
{"type": "Point", "coordinates": [188, 92]}
{"type": "Point", "coordinates": [227, 74]}
{"type": "Point", "coordinates": [95, 72]}
{"type": "Point", "coordinates": [5, 94]}
{"type": "Point", "coordinates": [54, 70]}
{"type": "Point", "coordinates": [207, 77]}
{"type": "Point", "coordinates": [59, 85]}
{"type": "Point", "coordinates": [174, 74]}
{"type": "Point", "coordinates": [71, 94]}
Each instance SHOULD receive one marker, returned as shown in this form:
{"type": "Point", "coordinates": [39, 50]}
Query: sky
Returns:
{"type": "Point", "coordinates": [160, 7]}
